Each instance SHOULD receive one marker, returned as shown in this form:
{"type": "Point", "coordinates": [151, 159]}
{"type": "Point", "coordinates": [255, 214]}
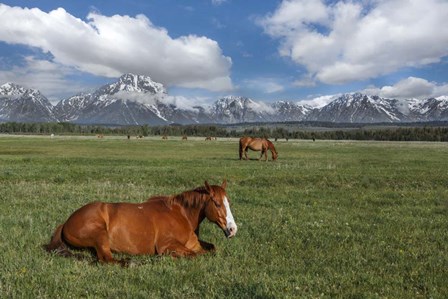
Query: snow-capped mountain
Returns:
{"type": "Point", "coordinates": [433, 108]}
{"type": "Point", "coordinates": [133, 83]}
{"type": "Point", "coordinates": [20, 104]}
{"type": "Point", "coordinates": [71, 108]}
{"type": "Point", "coordinates": [290, 111]}
{"type": "Point", "coordinates": [233, 109]}
{"type": "Point", "coordinates": [138, 100]}
{"type": "Point", "coordinates": [357, 108]}
{"type": "Point", "coordinates": [131, 100]}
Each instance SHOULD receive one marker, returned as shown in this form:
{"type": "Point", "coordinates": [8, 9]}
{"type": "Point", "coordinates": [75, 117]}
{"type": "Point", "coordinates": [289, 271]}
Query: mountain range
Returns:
{"type": "Point", "coordinates": [138, 100]}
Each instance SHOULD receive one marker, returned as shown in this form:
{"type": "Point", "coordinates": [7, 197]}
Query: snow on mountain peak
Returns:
{"type": "Point", "coordinates": [237, 102]}
{"type": "Point", "coordinates": [136, 83]}
{"type": "Point", "coordinates": [133, 99]}
{"type": "Point", "coordinates": [11, 89]}
{"type": "Point", "coordinates": [442, 98]}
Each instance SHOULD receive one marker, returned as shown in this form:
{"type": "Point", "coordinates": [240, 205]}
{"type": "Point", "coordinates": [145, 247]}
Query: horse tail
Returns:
{"type": "Point", "coordinates": [57, 244]}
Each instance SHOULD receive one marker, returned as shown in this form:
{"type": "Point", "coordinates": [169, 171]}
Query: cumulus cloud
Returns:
{"type": "Point", "coordinates": [347, 40]}
{"type": "Point", "coordinates": [411, 87]}
{"type": "Point", "coordinates": [112, 45]}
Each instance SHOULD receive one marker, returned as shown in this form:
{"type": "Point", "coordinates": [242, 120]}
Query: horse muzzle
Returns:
{"type": "Point", "coordinates": [230, 231]}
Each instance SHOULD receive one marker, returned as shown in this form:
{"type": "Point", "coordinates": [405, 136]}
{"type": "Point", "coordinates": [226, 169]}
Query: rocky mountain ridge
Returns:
{"type": "Point", "coordinates": [138, 100]}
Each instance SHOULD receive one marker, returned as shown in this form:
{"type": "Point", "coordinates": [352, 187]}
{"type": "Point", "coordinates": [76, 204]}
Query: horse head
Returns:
{"type": "Point", "coordinates": [273, 150]}
{"type": "Point", "coordinates": [218, 209]}
{"type": "Point", "coordinates": [274, 155]}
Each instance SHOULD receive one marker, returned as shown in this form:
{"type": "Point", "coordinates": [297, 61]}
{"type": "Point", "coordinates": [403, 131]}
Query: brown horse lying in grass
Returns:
{"type": "Point", "coordinates": [257, 144]}
{"type": "Point", "coordinates": [161, 225]}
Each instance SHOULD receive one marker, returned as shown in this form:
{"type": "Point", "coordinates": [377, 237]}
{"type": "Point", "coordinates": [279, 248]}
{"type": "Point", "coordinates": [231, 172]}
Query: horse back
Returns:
{"type": "Point", "coordinates": [257, 144]}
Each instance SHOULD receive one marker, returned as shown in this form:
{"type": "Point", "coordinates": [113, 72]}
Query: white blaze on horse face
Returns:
{"type": "Point", "coordinates": [231, 225]}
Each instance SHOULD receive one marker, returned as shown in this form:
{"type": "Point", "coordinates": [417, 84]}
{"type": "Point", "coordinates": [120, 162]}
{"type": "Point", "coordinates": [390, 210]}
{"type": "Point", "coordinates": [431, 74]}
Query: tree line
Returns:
{"type": "Point", "coordinates": [405, 133]}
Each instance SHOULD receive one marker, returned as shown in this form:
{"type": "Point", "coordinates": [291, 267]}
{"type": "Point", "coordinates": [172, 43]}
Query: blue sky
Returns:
{"type": "Point", "coordinates": [299, 50]}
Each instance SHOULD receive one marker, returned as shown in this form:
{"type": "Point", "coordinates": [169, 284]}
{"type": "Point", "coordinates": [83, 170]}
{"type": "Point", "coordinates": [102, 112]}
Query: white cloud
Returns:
{"type": "Point", "coordinates": [111, 46]}
{"type": "Point", "coordinates": [319, 101]}
{"type": "Point", "coordinates": [305, 81]}
{"type": "Point", "coordinates": [440, 90]}
{"type": "Point", "coordinates": [260, 106]}
{"type": "Point", "coordinates": [181, 102]}
{"type": "Point", "coordinates": [144, 98]}
{"type": "Point", "coordinates": [186, 103]}
{"type": "Point", "coordinates": [411, 87]}
{"type": "Point", "coordinates": [218, 2]}
{"type": "Point", "coordinates": [347, 40]}
{"type": "Point", "coordinates": [266, 85]}
{"type": "Point", "coordinates": [46, 76]}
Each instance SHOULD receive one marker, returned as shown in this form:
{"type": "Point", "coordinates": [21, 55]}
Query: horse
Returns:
{"type": "Point", "coordinates": [257, 144]}
{"type": "Point", "coordinates": [164, 137]}
{"type": "Point", "coordinates": [184, 137]}
{"type": "Point", "coordinates": [163, 225]}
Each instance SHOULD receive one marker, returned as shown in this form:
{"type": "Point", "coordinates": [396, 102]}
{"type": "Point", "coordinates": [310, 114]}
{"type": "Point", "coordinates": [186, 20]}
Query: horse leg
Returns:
{"type": "Point", "coordinates": [191, 248]}
{"type": "Point", "coordinates": [207, 246]}
{"type": "Point", "coordinates": [245, 153]}
{"type": "Point", "coordinates": [175, 249]}
{"type": "Point", "coordinates": [97, 238]}
{"type": "Point", "coordinates": [102, 248]}
{"type": "Point", "coordinates": [261, 156]}
{"type": "Point", "coordinates": [104, 253]}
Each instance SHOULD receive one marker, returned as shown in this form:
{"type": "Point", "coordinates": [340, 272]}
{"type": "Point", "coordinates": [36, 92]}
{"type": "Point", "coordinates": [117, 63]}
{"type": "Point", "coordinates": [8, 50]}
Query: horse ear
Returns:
{"type": "Point", "coordinates": [224, 184]}
{"type": "Point", "coordinates": [208, 188]}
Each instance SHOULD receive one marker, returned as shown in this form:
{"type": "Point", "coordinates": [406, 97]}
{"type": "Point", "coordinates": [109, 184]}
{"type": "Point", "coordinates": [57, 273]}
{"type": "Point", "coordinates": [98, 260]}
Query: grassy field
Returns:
{"type": "Point", "coordinates": [328, 219]}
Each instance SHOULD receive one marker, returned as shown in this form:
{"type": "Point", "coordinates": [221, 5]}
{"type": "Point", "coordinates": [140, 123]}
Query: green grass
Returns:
{"type": "Point", "coordinates": [328, 219]}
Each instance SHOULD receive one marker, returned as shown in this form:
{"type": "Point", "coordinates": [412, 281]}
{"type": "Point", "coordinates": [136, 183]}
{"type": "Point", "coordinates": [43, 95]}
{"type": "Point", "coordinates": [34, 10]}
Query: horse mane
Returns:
{"type": "Point", "coordinates": [190, 199]}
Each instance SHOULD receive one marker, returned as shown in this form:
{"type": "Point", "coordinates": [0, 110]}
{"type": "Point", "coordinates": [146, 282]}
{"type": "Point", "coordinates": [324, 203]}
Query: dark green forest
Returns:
{"type": "Point", "coordinates": [310, 131]}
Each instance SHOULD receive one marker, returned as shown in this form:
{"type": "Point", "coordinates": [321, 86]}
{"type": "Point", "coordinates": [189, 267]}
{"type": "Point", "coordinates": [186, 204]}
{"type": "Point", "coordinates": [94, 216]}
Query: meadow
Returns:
{"type": "Point", "coordinates": [328, 219]}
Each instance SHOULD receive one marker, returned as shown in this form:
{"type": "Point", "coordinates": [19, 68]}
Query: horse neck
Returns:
{"type": "Point", "coordinates": [266, 144]}
{"type": "Point", "coordinates": [193, 206]}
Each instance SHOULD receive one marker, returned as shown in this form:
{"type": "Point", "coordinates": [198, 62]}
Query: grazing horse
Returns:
{"type": "Point", "coordinates": [164, 137]}
{"type": "Point", "coordinates": [257, 144]}
{"type": "Point", "coordinates": [161, 225]}
{"type": "Point", "coordinates": [184, 137]}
